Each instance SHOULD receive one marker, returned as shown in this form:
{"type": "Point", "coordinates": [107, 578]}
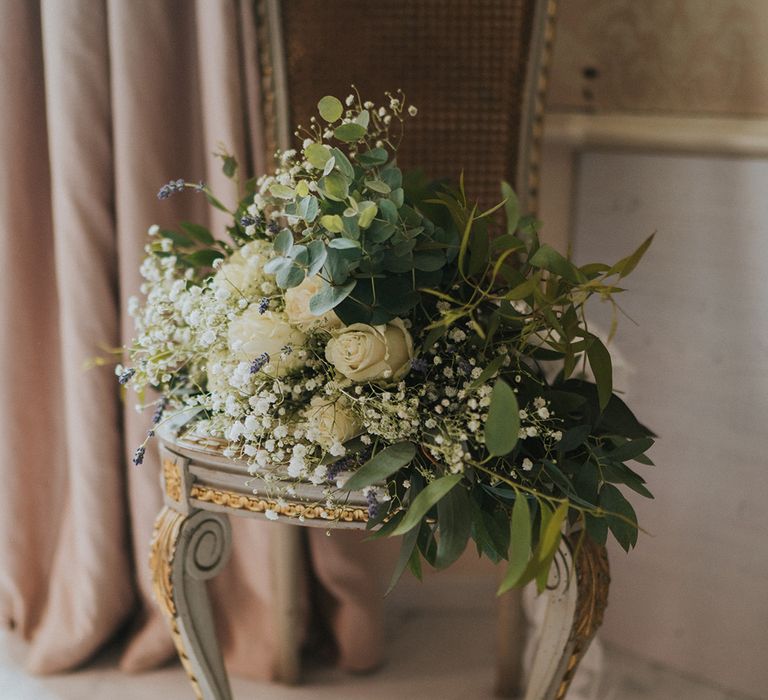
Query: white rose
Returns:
{"type": "Point", "coordinates": [243, 269]}
{"type": "Point", "coordinates": [362, 353]}
{"type": "Point", "coordinates": [331, 421]}
{"type": "Point", "coordinates": [235, 277]}
{"type": "Point", "coordinates": [252, 334]}
{"type": "Point", "coordinates": [297, 306]}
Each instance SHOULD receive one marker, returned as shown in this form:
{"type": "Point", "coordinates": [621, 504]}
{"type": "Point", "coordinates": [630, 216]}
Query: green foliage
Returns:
{"type": "Point", "coordinates": [388, 245]}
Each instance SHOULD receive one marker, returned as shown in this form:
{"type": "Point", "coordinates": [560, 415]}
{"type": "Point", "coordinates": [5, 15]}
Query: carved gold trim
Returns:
{"type": "Point", "coordinates": [593, 580]}
{"type": "Point", "coordinates": [254, 504]}
{"type": "Point", "coordinates": [162, 552]}
{"type": "Point", "coordinates": [172, 479]}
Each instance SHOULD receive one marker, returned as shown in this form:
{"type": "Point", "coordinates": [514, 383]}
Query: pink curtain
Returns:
{"type": "Point", "coordinates": [103, 101]}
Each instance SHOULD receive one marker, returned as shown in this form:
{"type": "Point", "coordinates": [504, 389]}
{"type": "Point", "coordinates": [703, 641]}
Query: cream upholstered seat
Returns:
{"type": "Point", "coordinates": [477, 72]}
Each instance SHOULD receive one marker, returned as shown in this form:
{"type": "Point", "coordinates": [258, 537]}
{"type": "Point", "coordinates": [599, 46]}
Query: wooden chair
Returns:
{"type": "Point", "coordinates": [478, 73]}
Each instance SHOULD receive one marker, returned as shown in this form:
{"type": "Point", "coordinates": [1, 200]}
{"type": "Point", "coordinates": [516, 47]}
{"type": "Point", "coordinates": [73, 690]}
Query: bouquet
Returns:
{"type": "Point", "coordinates": [367, 330]}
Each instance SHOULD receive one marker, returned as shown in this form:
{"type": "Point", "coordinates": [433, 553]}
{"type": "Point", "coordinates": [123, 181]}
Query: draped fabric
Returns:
{"type": "Point", "coordinates": [102, 102]}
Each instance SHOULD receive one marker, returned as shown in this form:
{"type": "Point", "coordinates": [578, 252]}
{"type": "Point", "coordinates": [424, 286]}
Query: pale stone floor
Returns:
{"type": "Point", "coordinates": [438, 651]}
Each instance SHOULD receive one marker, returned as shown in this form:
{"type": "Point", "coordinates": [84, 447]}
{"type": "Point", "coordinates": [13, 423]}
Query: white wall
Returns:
{"type": "Point", "coordinates": [694, 595]}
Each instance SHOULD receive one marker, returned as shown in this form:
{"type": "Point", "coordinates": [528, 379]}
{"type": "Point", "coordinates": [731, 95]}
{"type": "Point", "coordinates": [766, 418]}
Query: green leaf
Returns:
{"type": "Point", "coordinates": [511, 207]}
{"type": "Point", "coordinates": [179, 239]}
{"type": "Point", "coordinates": [381, 466]}
{"type": "Point", "coordinates": [406, 550]}
{"type": "Point", "coordinates": [503, 422]}
{"type": "Point", "coordinates": [317, 256]}
{"type": "Point", "coordinates": [228, 165]}
{"type": "Point", "coordinates": [612, 501]}
{"type": "Point", "coordinates": [626, 265]}
{"type": "Point", "coordinates": [549, 540]}
{"type": "Point", "coordinates": [334, 186]}
{"type": "Point", "coordinates": [455, 524]}
{"type": "Point", "coordinates": [203, 258]}
{"type": "Point", "coordinates": [368, 211]}
{"type": "Point", "coordinates": [199, 233]}
{"type": "Point", "coordinates": [283, 242]}
{"type": "Point", "coordinates": [423, 503]}
{"type": "Point", "coordinates": [332, 223]}
{"type": "Point", "coordinates": [350, 132]}
{"type": "Point", "coordinates": [289, 276]}
{"type": "Point", "coordinates": [330, 296]}
{"type": "Point", "coordinates": [547, 258]}
{"type": "Point", "coordinates": [630, 450]}
{"type": "Point", "coordinates": [519, 543]}
{"type": "Point", "coordinates": [378, 186]}
{"type": "Point", "coordinates": [330, 108]}
{"type": "Point", "coordinates": [343, 243]}
{"type": "Point", "coordinates": [600, 362]}
{"type": "Point", "coordinates": [317, 154]}
{"type": "Point", "coordinates": [272, 267]}
{"type": "Point", "coordinates": [343, 164]}
{"type": "Point", "coordinates": [429, 261]}
{"type": "Point", "coordinates": [376, 156]}
{"type": "Point", "coordinates": [397, 196]}
{"type": "Point", "coordinates": [282, 191]}
{"type": "Point", "coordinates": [388, 211]}
{"type": "Point", "coordinates": [308, 208]}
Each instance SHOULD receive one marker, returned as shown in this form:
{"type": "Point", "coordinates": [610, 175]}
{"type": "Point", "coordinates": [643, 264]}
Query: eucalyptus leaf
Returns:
{"type": "Point", "coordinates": [289, 276]}
{"type": "Point", "coordinates": [334, 186]}
{"type": "Point", "coordinates": [343, 164]}
{"type": "Point", "coordinates": [372, 158]}
{"type": "Point", "coordinates": [330, 108]}
{"type": "Point", "coordinates": [282, 191]}
{"type": "Point", "coordinates": [329, 297]}
{"type": "Point", "coordinates": [350, 132]}
{"type": "Point", "coordinates": [378, 186]}
{"type": "Point", "coordinates": [317, 256]}
{"type": "Point", "coordinates": [317, 154]}
{"type": "Point", "coordinates": [283, 242]}
{"type": "Point", "coordinates": [332, 223]}
{"type": "Point", "coordinates": [367, 211]}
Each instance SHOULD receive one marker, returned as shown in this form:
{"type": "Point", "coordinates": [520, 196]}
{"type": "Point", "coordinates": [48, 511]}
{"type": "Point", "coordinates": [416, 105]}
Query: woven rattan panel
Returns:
{"type": "Point", "coordinates": [461, 62]}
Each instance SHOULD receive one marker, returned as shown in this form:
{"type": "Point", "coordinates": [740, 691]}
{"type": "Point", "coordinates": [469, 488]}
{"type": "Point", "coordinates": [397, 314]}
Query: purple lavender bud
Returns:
{"type": "Point", "coordinates": [150, 433]}
{"type": "Point", "coordinates": [138, 456]}
{"type": "Point", "coordinates": [286, 350]}
{"type": "Point", "coordinates": [125, 375]}
{"type": "Point", "coordinates": [273, 227]}
{"type": "Point", "coordinates": [373, 504]}
{"type": "Point", "coordinates": [263, 305]}
{"type": "Point", "coordinates": [169, 188]}
{"type": "Point", "coordinates": [246, 221]}
{"type": "Point", "coordinates": [259, 362]}
{"type": "Point", "coordinates": [158, 414]}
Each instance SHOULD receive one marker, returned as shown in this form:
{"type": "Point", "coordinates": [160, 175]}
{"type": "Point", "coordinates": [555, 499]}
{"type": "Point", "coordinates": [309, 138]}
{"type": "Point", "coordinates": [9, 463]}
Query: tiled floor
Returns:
{"type": "Point", "coordinates": [437, 651]}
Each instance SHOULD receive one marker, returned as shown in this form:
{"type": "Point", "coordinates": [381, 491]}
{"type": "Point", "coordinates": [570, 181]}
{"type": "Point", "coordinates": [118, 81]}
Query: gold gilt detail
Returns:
{"type": "Point", "coordinates": [161, 555]}
{"type": "Point", "coordinates": [172, 479]}
{"type": "Point", "coordinates": [592, 579]}
{"type": "Point", "coordinates": [255, 504]}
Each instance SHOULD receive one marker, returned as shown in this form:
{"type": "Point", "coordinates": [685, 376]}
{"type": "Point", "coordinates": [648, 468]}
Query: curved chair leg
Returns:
{"type": "Point", "coordinates": [187, 550]}
{"type": "Point", "coordinates": [577, 598]}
